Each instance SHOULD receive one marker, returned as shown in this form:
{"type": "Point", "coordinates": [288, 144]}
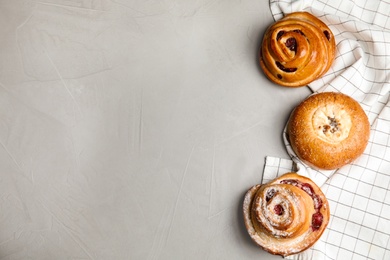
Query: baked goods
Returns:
{"type": "Point", "coordinates": [328, 130]}
{"type": "Point", "coordinates": [297, 49]}
{"type": "Point", "coordinates": [287, 215]}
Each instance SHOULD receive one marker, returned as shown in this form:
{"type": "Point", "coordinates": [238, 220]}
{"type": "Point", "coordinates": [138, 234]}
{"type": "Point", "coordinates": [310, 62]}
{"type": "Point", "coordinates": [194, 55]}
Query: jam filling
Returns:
{"type": "Point", "coordinates": [317, 217]}
{"type": "Point", "coordinates": [316, 221]}
{"type": "Point", "coordinates": [278, 209]}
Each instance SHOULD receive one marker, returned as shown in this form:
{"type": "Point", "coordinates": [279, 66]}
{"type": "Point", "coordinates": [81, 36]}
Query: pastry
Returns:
{"type": "Point", "coordinates": [297, 50]}
{"type": "Point", "coordinates": [328, 130]}
{"type": "Point", "coordinates": [287, 215]}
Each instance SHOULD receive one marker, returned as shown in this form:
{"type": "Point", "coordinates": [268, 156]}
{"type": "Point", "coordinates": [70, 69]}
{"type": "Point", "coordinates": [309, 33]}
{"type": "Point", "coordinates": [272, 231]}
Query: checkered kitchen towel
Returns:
{"type": "Point", "coordinates": [359, 193]}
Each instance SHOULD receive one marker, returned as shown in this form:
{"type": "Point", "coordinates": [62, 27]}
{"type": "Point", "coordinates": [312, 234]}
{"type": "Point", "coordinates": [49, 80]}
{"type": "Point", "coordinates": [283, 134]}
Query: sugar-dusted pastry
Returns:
{"type": "Point", "coordinates": [297, 49]}
{"type": "Point", "coordinates": [328, 130]}
{"type": "Point", "coordinates": [287, 215]}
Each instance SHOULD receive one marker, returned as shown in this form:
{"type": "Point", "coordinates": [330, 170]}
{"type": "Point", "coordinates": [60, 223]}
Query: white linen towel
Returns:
{"type": "Point", "coordinates": [359, 193]}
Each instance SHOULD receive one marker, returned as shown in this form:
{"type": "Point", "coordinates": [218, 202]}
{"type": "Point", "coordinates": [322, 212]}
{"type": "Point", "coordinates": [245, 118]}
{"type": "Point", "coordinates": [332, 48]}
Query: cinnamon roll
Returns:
{"type": "Point", "coordinates": [287, 215]}
{"type": "Point", "coordinates": [297, 50]}
{"type": "Point", "coordinates": [328, 130]}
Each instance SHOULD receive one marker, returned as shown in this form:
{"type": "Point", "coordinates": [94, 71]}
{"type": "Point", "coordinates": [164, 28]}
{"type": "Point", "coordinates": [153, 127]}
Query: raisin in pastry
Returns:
{"type": "Point", "coordinates": [297, 50]}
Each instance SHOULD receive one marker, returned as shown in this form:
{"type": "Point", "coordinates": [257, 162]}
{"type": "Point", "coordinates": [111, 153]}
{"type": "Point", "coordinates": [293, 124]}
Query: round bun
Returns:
{"type": "Point", "coordinates": [297, 50]}
{"type": "Point", "coordinates": [328, 130]}
{"type": "Point", "coordinates": [287, 215]}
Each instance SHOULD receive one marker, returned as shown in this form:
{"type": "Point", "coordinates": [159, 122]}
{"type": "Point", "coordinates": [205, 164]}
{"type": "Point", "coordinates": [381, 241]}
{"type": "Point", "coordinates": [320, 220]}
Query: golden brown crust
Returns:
{"type": "Point", "coordinates": [328, 130]}
{"type": "Point", "coordinates": [282, 215]}
{"type": "Point", "coordinates": [296, 50]}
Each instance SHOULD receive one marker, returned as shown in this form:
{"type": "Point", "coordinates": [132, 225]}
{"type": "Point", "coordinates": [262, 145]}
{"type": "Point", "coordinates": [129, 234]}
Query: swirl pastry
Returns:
{"type": "Point", "coordinates": [328, 130]}
{"type": "Point", "coordinates": [287, 215]}
{"type": "Point", "coordinates": [297, 50]}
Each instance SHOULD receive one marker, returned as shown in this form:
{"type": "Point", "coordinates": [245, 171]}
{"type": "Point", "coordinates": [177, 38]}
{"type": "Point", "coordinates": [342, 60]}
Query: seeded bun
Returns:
{"type": "Point", "coordinates": [328, 130]}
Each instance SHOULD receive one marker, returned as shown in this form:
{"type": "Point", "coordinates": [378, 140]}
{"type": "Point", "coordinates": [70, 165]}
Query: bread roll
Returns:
{"type": "Point", "coordinates": [328, 130]}
{"type": "Point", "coordinates": [296, 50]}
{"type": "Point", "coordinates": [287, 215]}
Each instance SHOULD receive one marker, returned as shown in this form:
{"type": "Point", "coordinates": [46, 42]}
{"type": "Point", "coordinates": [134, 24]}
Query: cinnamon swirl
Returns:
{"type": "Point", "coordinates": [287, 215]}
